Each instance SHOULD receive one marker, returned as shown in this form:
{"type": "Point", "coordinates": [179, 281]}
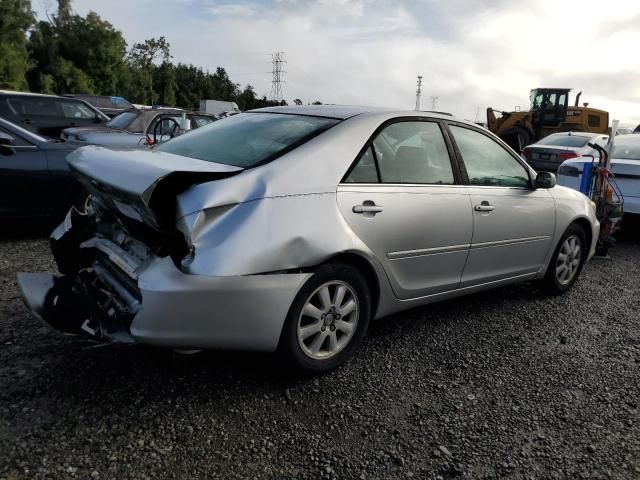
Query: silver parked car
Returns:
{"type": "Point", "coordinates": [547, 154]}
{"type": "Point", "coordinates": [137, 128]}
{"type": "Point", "coordinates": [291, 228]}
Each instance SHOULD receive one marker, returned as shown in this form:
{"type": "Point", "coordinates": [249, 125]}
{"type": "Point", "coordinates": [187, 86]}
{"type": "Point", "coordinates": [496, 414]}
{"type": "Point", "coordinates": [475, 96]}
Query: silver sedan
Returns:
{"type": "Point", "coordinates": [292, 228]}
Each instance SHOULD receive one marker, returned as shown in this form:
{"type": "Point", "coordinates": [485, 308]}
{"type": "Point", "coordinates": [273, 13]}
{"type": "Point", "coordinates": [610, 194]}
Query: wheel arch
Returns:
{"type": "Point", "coordinates": [585, 224]}
{"type": "Point", "coordinates": [368, 271]}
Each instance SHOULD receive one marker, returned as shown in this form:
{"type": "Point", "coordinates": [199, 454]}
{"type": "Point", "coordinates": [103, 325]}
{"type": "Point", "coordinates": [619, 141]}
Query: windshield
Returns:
{"type": "Point", "coordinates": [564, 141]}
{"type": "Point", "coordinates": [248, 139]}
{"type": "Point", "coordinates": [122, 120]}
{"type": "Point", "coordinates": [627, 148]}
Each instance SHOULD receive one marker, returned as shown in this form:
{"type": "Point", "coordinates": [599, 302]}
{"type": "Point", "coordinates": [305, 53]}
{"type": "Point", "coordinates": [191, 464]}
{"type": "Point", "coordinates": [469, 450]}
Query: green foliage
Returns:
{"type": "Point", "coordinates": [75, 54]}
{"type": "Point", "coordinates": [16, 18]}
{"type": "Point", "coordinates": [143, 55]}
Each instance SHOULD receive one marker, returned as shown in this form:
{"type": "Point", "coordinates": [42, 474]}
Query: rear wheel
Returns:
{"type": "Point", "coordinates": [327, 320]}
{"type": "Point", "coordinates": [567, 261]}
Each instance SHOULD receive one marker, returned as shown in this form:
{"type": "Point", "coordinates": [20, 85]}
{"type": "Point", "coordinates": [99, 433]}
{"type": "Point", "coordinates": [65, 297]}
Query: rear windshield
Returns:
{"type": "Point", "coordinates": [248, 139]}
{"type": "Point", "coordinates": [627, 148]}
{"type": "Point", "coordinates": [564, 141]}
{"type": "Point", "coordinates": [122, 120]}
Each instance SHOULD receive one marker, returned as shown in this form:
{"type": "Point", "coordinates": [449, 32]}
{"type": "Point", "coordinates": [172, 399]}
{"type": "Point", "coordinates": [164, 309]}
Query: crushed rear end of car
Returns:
{"type": "Point", "coordinates": [120, 278]}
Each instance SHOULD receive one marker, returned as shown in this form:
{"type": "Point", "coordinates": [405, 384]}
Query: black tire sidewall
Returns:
{"type": "Point", "coordinates": [81, 199]}
{"type": "Point", "coordinates": [289, 348]}
{"type": "Point", "coordinates": [550, 282]}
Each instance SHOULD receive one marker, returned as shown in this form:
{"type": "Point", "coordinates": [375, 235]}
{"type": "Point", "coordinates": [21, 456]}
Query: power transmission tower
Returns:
{"type": "Point", "coordinates": [434, 103]}
{"type": "Point", "coordinates": [277, 59]}
{"type": "Point", "coordinates": [418, 92]}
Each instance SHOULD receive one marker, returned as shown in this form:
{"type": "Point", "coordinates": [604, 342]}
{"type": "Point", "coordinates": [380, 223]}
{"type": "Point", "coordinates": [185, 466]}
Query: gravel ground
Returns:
{"type": "Point", "coordinates": [500, 384]}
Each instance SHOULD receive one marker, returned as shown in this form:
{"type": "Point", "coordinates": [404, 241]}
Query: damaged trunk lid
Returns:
{"type": "Point", "coordinates": [142, 184]}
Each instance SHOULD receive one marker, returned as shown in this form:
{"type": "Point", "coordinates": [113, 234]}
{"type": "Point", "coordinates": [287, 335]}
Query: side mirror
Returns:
{"type": "Point", "coordinates": [6, 150]}
{"type": "Point", "coordinates": [7, 139]}
{"type": "Point", "coordinates": [545, 180]}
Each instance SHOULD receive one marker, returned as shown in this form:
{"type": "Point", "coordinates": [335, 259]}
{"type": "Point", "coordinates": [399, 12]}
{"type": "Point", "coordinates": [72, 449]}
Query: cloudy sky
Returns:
{"type": "Point", "coordinates": [471, 53]}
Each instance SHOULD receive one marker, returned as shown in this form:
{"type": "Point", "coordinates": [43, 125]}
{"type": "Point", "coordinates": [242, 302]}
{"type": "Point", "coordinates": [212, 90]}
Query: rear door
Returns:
{"type": "Point", "coordinates": [513, 223]}
{"type": "Point", "coordinates": [402, 199]}
{"type": "Point", "coordinates": [41, 115]}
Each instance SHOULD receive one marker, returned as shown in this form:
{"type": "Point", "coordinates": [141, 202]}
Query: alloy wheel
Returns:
{"type": "Point", "coordinates": [328, 320]}
{"type": "Point", "coordinates": [568, 260]}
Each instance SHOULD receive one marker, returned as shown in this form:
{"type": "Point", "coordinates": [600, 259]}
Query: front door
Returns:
{"type": "Point", "coordinates": [77, 114]}
{"type": "Point", "coordinates": [513, 224]}
{"type": "Point", "coordinates": [402, 200]}
{"type": "Point", "coordinates": [23, 179]}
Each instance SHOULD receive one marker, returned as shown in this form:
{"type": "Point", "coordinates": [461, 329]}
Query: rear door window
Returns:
{"type": "Point", "coordinates": [411, 152]}
{"type": "Point", "coordinates": [11, 107]}
{"type": "Point", "coordinates": [40, 107]}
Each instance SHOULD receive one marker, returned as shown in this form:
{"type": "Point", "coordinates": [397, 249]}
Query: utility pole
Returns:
{"type": "Point", "coordinates": [277, 59]}
{"type": "Point", "coordinates": [418, 92]}
{"type": "Point", "coordinates": [434, 103]}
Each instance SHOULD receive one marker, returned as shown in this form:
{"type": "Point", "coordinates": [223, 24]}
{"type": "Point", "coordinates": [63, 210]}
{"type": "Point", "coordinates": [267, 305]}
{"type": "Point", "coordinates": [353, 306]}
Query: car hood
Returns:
{"type": "Point", "coordinates": [142, 184]}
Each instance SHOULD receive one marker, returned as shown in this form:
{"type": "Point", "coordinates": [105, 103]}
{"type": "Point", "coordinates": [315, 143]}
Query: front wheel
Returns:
{"type": "Point", "coordinates": [327, 320]}
{"type": "Point", "coordinates": [567, 262]}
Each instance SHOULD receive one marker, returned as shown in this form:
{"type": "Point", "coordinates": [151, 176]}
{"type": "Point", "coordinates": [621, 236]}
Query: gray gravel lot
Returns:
{"type": "Point", "coordinates": [500, 384]}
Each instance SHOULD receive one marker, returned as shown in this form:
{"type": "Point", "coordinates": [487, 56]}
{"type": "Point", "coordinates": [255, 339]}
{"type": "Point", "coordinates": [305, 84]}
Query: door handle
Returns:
{"type": "Point", "coordinates": [484, 206]}
{"type": "Point", "coordinates": [368, 208]}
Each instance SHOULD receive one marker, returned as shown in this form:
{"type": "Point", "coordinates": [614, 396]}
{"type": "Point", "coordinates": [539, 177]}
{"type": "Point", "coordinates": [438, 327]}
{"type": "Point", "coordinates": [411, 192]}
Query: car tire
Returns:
{"type": "Point", "coordinates": [567, 262]}
{"type": "Point", "coordinates": [82, 201]}
{"type": "Point", "coordinates": [327, 320]}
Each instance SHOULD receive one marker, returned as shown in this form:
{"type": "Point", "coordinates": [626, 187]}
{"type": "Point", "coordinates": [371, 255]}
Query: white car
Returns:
{"type": "Point", "coordinates": [547, 154]}
{"type": "Point", "coordinates": [625, 165]}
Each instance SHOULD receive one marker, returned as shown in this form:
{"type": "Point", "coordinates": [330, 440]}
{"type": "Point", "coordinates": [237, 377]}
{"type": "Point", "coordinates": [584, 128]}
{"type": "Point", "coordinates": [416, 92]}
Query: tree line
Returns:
{"type": "Point", "coordinates": [69, 53]}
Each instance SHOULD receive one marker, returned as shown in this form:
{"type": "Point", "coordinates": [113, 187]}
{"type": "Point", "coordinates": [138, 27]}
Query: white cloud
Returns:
{"type": "Point", "coordinates": [242, 10]}
{"type": "Point", "coordinates": [472, 54]}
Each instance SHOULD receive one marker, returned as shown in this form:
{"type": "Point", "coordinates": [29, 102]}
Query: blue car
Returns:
{"type": "Point", "coordinates": [35, 180]}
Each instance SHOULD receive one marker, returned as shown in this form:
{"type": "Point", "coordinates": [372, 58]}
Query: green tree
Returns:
{"type": "Point", "coordinates": [80, 54]}
{"type": "Point", "coordinates": [143, 56]}
{"type": "Point", "coordinates": [75, 54]}
{"type": "Point", "coordinates": [16, 18]}
{"type": "Point", "coordinates": [165, 83]}
{"type": "Point", "coordinates": [297, 101]}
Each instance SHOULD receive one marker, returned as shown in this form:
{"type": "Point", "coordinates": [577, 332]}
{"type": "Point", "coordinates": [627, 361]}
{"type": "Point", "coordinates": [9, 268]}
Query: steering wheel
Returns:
{"type": "Point", "coordinates": [174, 130]}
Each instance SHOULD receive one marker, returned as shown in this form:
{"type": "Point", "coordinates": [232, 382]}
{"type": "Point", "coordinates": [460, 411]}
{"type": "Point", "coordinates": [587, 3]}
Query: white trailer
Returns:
{"type": "Point", "coordinates": [217, 107]}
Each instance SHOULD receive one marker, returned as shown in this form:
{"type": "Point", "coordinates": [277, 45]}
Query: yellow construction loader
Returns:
{"type": "Point", "coordinates": [549, 113]}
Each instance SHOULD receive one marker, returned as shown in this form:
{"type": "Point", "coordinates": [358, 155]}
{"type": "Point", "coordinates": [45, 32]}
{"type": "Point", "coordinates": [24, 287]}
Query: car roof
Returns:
{"type": "Point", "coordinates": [342, 112]}
{"type": "Point", "coordinates": [30, 94]}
